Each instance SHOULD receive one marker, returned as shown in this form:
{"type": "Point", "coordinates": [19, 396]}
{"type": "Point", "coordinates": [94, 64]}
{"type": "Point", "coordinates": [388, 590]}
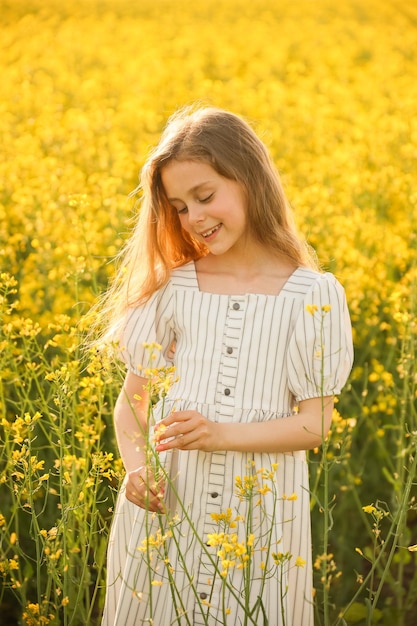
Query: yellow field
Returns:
{"type": "Point", "coordinates": [86, 87]}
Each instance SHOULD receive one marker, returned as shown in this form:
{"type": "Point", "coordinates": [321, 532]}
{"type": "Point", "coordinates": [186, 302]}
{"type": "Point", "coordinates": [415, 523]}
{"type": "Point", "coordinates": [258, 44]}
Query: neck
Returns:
{"type": "Point", "coordinates": [263, 274]}
{"type": "Point", "coordinates": [246, 268]}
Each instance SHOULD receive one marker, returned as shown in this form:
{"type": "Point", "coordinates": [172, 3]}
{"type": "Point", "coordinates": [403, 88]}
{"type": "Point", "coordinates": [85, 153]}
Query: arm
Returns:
{"type": "Point", "coordinates": [130, 421]}
{"type": "Point", "coordinates": [301, 431]}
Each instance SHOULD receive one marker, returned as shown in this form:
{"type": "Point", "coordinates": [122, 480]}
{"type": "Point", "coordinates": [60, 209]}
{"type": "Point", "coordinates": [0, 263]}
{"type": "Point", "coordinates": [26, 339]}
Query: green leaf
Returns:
{"type": "Point", "coordinates": [359, 612]}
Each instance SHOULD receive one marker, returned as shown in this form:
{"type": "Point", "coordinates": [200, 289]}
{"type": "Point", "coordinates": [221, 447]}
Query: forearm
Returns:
{"type": "Point", "coordinates": [190, 430]}
{"type": "Point", "coordinates": [287, 434]}
{"type": "Point", "coordinates": [130, 439]}
{"type": "Point", "coordinates": [130, 426]}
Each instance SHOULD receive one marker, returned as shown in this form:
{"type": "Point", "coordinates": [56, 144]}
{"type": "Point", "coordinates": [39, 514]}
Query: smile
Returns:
{"type": "Point", "coordinates": [210, 232]}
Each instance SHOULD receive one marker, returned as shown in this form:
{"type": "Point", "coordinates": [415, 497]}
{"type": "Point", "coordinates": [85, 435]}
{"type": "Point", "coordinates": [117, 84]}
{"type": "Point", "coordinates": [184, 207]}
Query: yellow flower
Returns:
{"type": "Point", "coordinates": [215, 539]}
{"type": "Point", "coordinates": [369, 509]}
{"type": "Point", "coordinates": [300, 562]}
{"type": "Point", "coordinates": [35, 464]}
{"type": "Point", "coordinates": [53, 532]}
{"type": "Point", "coordinates": [152, 346]}
{"type": "Point", "coordinates": [225, 517]}
{"type": "Point", "coordinates": [159, 432]}
{"type": "Point", "coordinates": [228, 563]}
{"type": "Point", "coordinates": [311, 308]}
{"type": "Point", "coordinates": [33, 608]}
{"type": "Point", "coordinates": [264, 489]}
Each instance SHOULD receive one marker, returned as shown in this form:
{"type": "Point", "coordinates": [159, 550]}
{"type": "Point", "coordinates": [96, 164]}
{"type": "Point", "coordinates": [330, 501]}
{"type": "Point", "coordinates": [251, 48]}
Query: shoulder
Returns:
{"type": "Point", "coordinates": [303, 279]}
{"type": "Point", "coordinates": [180, 277]}
{"type": "Point", "coordinates": [183, 277]}
{"type": "Point", "coordinates": [315, 287]}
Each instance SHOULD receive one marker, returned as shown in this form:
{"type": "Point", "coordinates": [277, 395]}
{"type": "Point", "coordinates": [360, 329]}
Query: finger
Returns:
{"type": "Point", "coordinates": [169, 440]}
{"type": "Point", "coordinates": [187, 441]}
{"type": "Point", "coordinates": [176, 416]}
{"type": "Point", "coordinates": [147, 500]}
{"type": "Point", "coordinates": [181, 425]}
{"type": "Point", "coordinates": [166, 422]}
{"type": "Point", "coordinates": [154, 502]}
{"type": "Point", "coordinates": [152, 486]}
{"type": "Point", "coordinates": [145, 491]}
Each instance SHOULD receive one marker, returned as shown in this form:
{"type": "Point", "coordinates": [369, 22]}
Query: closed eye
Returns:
{"type": "Point", "coordinates": [184, 209]}
{"type": "Point", "coordinates": [206, 199]}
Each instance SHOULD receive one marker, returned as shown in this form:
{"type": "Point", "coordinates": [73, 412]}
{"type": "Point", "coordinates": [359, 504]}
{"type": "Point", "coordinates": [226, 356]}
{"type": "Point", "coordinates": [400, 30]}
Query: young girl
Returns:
{"type": "Point", "coordinates": [261, 342]}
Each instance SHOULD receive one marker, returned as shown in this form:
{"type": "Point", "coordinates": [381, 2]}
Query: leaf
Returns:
{"type": "Point", "coordinates": [358, 612]}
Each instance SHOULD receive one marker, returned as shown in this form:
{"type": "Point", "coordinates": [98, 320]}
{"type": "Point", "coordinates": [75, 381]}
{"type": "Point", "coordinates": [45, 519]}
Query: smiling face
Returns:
{"type": "Point", "coordinates": [210, 207]}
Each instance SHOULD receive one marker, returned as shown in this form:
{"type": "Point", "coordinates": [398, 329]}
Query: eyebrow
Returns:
{"type": "Point", "coordinates": [192, 190]}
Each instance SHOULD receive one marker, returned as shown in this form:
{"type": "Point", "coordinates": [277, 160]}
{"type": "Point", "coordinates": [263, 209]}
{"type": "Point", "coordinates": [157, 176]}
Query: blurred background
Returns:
{"type": "Point", "coordinates": [86, 88]}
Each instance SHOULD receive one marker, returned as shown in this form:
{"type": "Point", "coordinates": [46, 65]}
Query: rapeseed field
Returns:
{"type": "Point", "coordinates": [86, 88]}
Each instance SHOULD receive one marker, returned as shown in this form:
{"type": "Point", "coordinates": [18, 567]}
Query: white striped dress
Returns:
{"type": "Point", "coordinates": [239, 358]}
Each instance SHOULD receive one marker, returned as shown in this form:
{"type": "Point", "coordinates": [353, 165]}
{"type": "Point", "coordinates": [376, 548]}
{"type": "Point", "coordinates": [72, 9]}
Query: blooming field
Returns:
{"type": "Point", "coordinates": [87, 86]}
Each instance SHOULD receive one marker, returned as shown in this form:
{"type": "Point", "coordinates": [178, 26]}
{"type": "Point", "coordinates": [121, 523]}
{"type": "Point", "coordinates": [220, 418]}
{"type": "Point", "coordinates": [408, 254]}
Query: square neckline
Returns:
{"type": "Point", "coordinates": [247, 293]}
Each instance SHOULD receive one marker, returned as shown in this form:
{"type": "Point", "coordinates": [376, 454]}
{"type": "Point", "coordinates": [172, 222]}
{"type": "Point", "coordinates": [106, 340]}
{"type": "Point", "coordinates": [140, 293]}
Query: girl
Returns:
{"type": "Point", "coordinates": [262, 343]}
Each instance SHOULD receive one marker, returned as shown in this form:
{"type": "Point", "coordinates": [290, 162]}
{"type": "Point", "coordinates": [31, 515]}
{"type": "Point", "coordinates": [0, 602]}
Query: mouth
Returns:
{"type": "Point", "coordinates": [209, 233]}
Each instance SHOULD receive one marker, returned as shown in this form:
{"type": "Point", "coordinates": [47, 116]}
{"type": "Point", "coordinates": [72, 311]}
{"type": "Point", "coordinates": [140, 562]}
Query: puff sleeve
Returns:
{"type": "Point", "coordinates": [320, 351]}
{"type": "Point", "coordinates": [148, 323]}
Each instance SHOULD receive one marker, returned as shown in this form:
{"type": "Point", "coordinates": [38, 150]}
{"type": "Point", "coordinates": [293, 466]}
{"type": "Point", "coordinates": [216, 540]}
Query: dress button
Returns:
{"type": "Point", "coordinates": [236, 306]}
{"type": "Point", "coordinates": [227, 392]}
{"type": "Point", "coordinates": [203, 595]}
{"type": "Point", "coordinates": [229, 350]}
{"type": "Point", "coordinates": [214, 494]}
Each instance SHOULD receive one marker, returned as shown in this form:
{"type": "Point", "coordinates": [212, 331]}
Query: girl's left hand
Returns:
{"type": "Point", "coordinates": [187, 430]}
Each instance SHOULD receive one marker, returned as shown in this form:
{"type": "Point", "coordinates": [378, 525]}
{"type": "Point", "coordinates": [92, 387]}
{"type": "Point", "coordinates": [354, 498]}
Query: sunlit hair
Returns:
{"type": "Point", "coordinates": [158, 243]}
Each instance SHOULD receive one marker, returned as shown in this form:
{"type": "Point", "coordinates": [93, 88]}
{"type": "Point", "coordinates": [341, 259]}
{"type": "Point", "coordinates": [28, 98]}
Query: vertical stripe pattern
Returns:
{"type": "Point", "coordinates": [240, 359]}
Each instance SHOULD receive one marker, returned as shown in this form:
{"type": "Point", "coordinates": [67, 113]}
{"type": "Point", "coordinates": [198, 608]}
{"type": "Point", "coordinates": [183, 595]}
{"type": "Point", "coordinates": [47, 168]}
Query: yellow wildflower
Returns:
{"type": "Point", "coordinates": [369, 509]}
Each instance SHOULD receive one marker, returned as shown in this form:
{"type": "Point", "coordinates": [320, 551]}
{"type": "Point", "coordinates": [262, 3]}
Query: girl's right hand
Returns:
{"type": "Point", "coordinates": [144, 490]}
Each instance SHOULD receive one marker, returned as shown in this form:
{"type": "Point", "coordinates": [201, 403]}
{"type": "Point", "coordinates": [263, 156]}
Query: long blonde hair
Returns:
{"type": "Point", "coordinates": [158, 243]}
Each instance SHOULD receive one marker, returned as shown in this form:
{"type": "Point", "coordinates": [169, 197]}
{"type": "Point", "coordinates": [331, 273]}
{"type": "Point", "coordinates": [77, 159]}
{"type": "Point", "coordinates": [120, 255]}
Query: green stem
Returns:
{"type": "Point", "coordinates": [34, 525]}
{"type": "Point", "coordinates": [282, 594]}
{"type": "Point", "coordinates": [172, 584]}
{"type": "Point", "coordinates": [399, 526]}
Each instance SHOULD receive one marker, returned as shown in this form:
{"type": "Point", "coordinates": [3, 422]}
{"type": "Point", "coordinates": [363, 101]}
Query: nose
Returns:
{"type": "Point", "coordinates": [196, 214]}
